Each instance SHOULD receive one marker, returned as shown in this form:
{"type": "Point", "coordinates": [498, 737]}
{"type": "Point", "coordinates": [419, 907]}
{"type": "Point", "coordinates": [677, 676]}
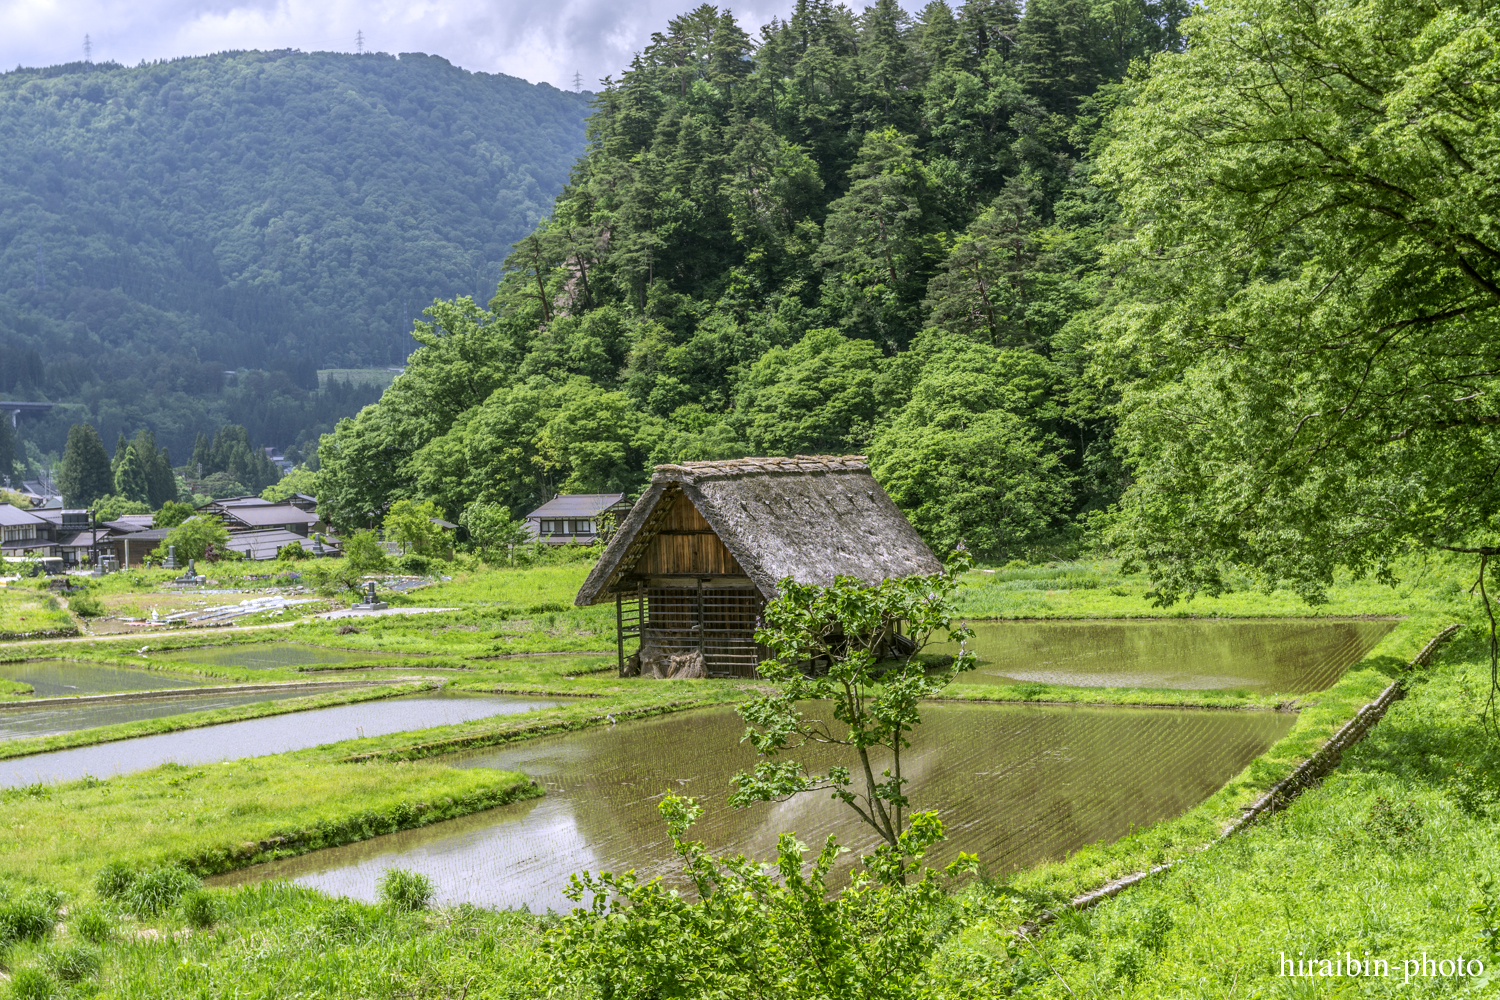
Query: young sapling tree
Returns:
{"type": "Point", "coordinates": [829, 643]}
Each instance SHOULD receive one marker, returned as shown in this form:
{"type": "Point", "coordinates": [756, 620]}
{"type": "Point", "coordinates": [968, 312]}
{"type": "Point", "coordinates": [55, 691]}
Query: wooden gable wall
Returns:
{"type": "Point", "coordinates": [685, 544]}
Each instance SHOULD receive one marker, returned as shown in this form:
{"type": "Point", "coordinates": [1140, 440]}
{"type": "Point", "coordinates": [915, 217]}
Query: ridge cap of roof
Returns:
{"type": "Point", "coordinates": [796, 465]}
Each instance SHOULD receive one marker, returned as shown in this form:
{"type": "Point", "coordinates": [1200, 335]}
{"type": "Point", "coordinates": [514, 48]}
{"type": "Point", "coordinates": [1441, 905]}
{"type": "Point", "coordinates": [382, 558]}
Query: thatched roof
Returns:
{"type": "Point", "coordinates": [812, 518]}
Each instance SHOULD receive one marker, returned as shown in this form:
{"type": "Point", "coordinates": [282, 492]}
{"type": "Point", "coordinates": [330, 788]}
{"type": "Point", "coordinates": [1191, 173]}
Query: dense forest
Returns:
{"type": "Point", "coordinates": [851, 232]}
{"type": "Point", "coordinates": [264, 213]}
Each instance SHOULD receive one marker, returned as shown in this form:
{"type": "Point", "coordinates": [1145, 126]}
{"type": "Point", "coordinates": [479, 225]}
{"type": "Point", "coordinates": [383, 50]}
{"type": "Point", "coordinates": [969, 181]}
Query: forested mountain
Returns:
{"type": "Point", "coordinates": [276, 212]}
{"type": "Point", "coordinates": [852, 232]}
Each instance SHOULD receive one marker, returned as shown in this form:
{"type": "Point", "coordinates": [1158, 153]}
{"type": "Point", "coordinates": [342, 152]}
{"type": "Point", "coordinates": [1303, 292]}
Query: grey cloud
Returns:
{"type": "Point", "coordinates": [547, 41]}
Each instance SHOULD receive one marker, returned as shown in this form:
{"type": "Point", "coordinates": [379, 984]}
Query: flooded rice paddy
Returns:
{"type": "Point", "coordinates": [59, 678]}
{"type": "Point", "coordinates": [256, 737]}
{"type": "Point", "coordinates": [50, 720]}
{"type": "Point", "coordinates": [1016, 784]}
{"type": "Point", "coordinates": [280, 655]}
{"type": "Point", "coordinates": [1289, 656]}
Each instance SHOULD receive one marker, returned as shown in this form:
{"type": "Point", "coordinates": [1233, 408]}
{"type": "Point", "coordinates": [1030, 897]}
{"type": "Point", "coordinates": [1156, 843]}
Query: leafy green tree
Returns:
{"type": "Point", "coordinates": [850, 626]}
{"type": "Point", "coordinates": [817, 397]}
{"type": "Point", "coordinates": [85, 475]}
{"type": "Point", "coordinates": [490, 527]}
{"type": "Point", "coordinates": [1309, 360]}
{"type": "Point", "coordinates": [111, 508]}
{"type": "Point", "coordinates": [156, 465]}
{"type": "Point", "coordinates": [172, 514]}
{"type": "Point", "coordinates": [194, 536]}
{"type": "Point", "coordinates": [363, 552]}
{"type": "Point", "coordinates": [300, 480]}
{"type": "Point", "coordinates": [409, 524]}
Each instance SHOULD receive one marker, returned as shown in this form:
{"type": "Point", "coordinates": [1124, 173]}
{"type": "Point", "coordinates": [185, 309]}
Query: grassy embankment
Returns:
{"type": "Point", "coordinates": [26, 610]}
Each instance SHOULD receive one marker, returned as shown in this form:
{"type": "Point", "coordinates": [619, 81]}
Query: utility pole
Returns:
{"type": "Point", "coordinates": [88, 50]}
{"type": "Point", "coordinates": [359, 42]}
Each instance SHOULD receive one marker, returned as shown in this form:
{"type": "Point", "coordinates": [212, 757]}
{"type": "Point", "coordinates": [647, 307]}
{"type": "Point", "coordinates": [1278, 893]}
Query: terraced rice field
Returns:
{"type": "Point", "coordinates": [60, 678]}
{"type": "Point", "coordinates": [20, 720]}
{"type": "Point", "coordinates": [1288, 656]}
{"type": "Point", "coordinates": [1015, 784]}
{"type": "Point", "coordinates": [272, 734]}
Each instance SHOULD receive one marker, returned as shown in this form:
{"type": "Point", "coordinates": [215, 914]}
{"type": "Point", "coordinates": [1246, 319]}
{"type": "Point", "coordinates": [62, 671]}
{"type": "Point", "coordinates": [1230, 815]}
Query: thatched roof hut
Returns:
{"type": "Point", "coordinates": [703, 549]}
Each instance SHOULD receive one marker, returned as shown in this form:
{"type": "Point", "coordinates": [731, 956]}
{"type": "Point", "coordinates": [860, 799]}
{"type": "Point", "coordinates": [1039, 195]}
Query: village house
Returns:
{"type": "Point", "coordinates": [576, 518]}
{"type": "Point", "coordinates": [702, 551]}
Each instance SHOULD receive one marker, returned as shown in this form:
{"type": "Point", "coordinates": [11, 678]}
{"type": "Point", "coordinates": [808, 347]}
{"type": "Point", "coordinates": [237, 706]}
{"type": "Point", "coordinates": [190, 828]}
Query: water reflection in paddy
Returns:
{"type": "Point", "coordinates": [279, 655]}
{"type": "Point", "coordinates": [57, 678]}
{"type": "Point", "coordinates": [1017, 785]}
{"type": "Point", "coordinates": [18, 722]}
{"type": "Point", "coordinates": [255, 737]}
{"type": "Point", "coordinates": [1290, 656]}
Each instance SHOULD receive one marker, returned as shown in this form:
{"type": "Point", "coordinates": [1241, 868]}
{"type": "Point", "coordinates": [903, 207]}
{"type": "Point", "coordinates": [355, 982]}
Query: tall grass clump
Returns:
{"type": "Point", "coordinates": [200, 908]}
{"type": "Point", "coordinates": [159, 890]}
{"type": "Point", "coordinates": [405, 890]}
{"type": "Point", "coordinates": [32, 983]}
{"type": "Point", "coordinates": [73, 963]}
{"type": "Point", "coordinates": [25, 918]}
{"type": "Point", "coordinates": [91, 925]}
{"type": "Point", "coordinates": [114, 880]}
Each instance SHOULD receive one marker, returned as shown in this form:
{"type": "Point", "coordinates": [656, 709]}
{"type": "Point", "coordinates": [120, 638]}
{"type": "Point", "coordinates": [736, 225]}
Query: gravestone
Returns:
{"type": "Point", "coordinates": [371, 602]}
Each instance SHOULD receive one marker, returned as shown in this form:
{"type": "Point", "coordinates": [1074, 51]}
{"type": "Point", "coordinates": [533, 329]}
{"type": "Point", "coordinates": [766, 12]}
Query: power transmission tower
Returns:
{"type": "Point", "coordinates": [578, 82]}
{"type": "Point", "coordinates": [88, 50]}
{"type": "Point", "coordinates": [359, 42]}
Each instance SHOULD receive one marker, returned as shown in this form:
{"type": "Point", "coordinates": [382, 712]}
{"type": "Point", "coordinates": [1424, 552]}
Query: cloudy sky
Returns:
{"type": "Point", "coordinates": [542, 40]}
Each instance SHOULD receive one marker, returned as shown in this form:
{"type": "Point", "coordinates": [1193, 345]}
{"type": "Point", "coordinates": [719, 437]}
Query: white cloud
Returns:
{"type": "Point", "coordinates": [547, 41]}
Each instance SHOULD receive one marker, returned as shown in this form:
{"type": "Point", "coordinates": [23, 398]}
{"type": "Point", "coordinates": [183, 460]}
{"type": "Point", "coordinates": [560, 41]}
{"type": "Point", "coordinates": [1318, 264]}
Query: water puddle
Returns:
{"type": "Point", "coordinates": [256, 737]}
{"type": "Point", "coordinates": [280, 655]}
{"type": "Point", "coordinates": [1016, 784]}
{"type": "Point", "coordinates": [50, 720]}
{"type": "Point", "coordinates": [59, 678]}
{"type": "Point", "coordinates": [1288, 656]}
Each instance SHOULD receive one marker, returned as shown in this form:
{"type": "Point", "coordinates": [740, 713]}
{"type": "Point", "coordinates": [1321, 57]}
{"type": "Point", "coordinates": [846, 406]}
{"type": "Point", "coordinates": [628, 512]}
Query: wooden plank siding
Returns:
{"type": "Point", "coordinates": [686, 545]}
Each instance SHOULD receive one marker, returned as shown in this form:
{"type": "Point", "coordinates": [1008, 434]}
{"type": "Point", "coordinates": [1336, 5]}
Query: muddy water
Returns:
{"type": "Point", "coordinates": [255, 737]}
{"type": "Point", "coordinates": [1016, 785]}
{"type": "Point", "coordinates": [58, 678]}
{"type": "Point", "coordinates": [1289, 656]}
{"type": "Point", "coordinates": [279, 655]}
{"type": "Point", "coordinates": [18, 722]}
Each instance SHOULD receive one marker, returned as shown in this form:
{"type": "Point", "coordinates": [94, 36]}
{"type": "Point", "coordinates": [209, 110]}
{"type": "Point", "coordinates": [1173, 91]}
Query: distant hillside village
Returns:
{"type": "Point", "coordinates": [131, 506]}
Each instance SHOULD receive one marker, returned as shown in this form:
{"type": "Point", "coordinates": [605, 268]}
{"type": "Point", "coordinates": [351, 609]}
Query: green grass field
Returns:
{"type": "Point", "coordinates": [1390, 854]}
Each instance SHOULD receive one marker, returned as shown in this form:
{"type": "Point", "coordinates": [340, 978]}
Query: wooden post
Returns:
{"type": "Point", "coordinates": [701, 653]}
{"type": "Point", "coordinates": [619, 635]}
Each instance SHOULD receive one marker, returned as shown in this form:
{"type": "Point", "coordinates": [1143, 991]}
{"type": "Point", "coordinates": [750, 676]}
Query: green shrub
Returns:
{"type": "Point", "coordinates": [414, 564]}
{"type": "Point", "coordinates": [159, 890]}
{"type": "Point", "coordinates": [27, 918]}
{"type": "Point", "coordinates": [293, 551]}
{"type": "Point", "coordinates": [91, 925]}
{"type": "Point", "coordinates": [114, 880]}
{"type": "Point", "coordinates": [200, 908]}
{"type": "Point", "coordinates": [72, 963]}
{"type": "Point", "coordinates": [85, 605]}
{"type": "Point", "coordinates": [31, 983]}
{"type": "Point", "coordinates": [405, 890]}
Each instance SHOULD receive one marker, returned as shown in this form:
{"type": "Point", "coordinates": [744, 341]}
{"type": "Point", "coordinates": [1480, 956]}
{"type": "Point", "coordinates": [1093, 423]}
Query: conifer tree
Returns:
{"type": "Point", "coordinates": [130, 476]}
{"type": "Point", "coordinates": [85, 475]}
